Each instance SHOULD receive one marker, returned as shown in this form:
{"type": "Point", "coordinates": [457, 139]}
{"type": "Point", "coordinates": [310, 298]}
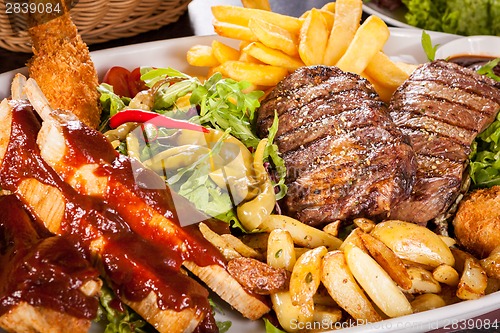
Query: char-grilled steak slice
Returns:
{"type": "Point", "coordinates": [441, 108]}
{"type": "Point", "coordinates": [344, 155]}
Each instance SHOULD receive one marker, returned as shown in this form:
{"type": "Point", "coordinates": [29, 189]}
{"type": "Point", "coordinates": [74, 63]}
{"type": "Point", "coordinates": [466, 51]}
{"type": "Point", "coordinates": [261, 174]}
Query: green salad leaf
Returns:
{"type": "Point", "coordinates": [126, 321]}
{"type": "Point", "coordinates": [485, 156]}
{"type": "Point", "coordinates": [488, 69]}
{"type": "Point", "coordinates": [270, 328]}
{"type": "Point", "coordinates": [429, 49]}
{"type": "Point", "coordinates": [462, 17]}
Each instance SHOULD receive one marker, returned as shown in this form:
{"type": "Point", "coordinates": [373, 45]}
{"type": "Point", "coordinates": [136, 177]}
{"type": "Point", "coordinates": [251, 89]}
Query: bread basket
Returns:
{"type": "Point", "coordinates": [98, 20]}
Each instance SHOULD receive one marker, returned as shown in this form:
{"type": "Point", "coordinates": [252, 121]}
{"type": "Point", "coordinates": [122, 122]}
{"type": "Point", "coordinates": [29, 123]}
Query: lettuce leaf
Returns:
{"type": "Point", "coordinates": [462, 17]}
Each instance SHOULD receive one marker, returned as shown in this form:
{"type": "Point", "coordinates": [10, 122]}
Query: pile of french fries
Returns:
{"type": "Point", "coordinates": [273, 45]}
{"type": "Point", "coordinates": [379, 271]}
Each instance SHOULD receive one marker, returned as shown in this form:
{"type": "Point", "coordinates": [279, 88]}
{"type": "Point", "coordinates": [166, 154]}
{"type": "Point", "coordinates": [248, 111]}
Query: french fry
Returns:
{"type": "Point", "coordinates": [346, 22]}
{"type": "Point", "coordinates": [264, 75]}
{"type": "Point", "coordinates": [235, 31]}
{"type": "Point", "coordinates": [353, 239]}
{"type": "Point", "coordinates": [473, 281]}
{"type": "Point", "coordinates": [408, 68]}
{"type": "Point", "coordinates": [446, 274]}
{"type": "Point", "coordinates": [281, 254]}
{"type": "Point", "coordinates": [389, 261]}
{"type": "Point", "coordinates": [272, 57]}
{"type": "Point", "coordinates": [491, 264]}
{"type": "Point", "coordinates": [313, 38]}
{"type": "Point", "coordinates": [382, 69]}
{"type": "Point", "coordinates": [280, 250]}
{"type": "Point", "coordinates": [302, 234]}
{"type": "Point", "coordinates": [202, 56]}
{"type": "Point", "coordinates": [326, 315]}
{"type": "Point", "coordinates": [364, 224]}
{"type": "Point", "coordinates": [289, 315]}
{"type": "Point", "coordinates": [223, 52]}
{"type": "Point", "coordinates": [224, 247]}
{"type": "Point", "coordinates": [422, 281]}
{"type": "Point", "coordinates": [384, 92]}
{"type": "Point", "coordinates": [274, 36]}
{"type": "Point", "coordinates": [333, 228]}
{"type": "Point", "coordinates": [426, 302]}
{"type": "Point", "coordinates": [368, 41]}
{"type": "Point", "coordinates": [327, 15]}
{"type": "Point", "coordinates": [240, 247]}
{"type": "Point", "coordinates": [341, 285]}
{"type": "Point", "coordinates": [329, 7]}
{"type": "Point", "coordinates": [377, 283]}
{"type": "Point", "coordinates": [414, 243]}
{"type": "Point", "coordinates": [256, 4]}
{"type": "Point", "coordinates": [306, 276]}
{"type": "Point", "coordinates": [241, 16]}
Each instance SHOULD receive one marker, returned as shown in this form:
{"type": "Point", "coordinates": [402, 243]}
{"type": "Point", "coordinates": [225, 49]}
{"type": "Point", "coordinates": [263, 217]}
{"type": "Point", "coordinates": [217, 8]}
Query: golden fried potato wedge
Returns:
{"type": "Point", "coordinates": [202, 56]}
{"type": "Point", "coordinates": [241, 16]}
{"type": "Point", "coordinates": [426, 302]}
{"type": "Point", "coordinates": [389, 261]}
{"type": "Point", "coordinates": [368, 40]}
{"type": "Point", "coordinates": [313, 38]}
{"type": "Point", "coordinates": [422, 281]}
{"type": "Point", "coordinates": [473, 281]}
{"type": "Point", "coordinates": [306, 276]}
{"type": "Point", "coordinates": [272, 57]}
{"type": "Point", "coordinates": [264, 75]}
{"type": "Point", "coordinates": [280, 250]}
{"type": "Point", "coordinates": [223, 52]}
{"type": "Point", "coordinates": [231, 30]}
{"type": "Point", "coordinates": [346, 22]}
{"type": "Point", "coordinates": [377, 283]}
{"type": "Point", "coordinates": [302, 234]}
{"type": "Point", "coordinates": [382, 69]}
{"type": "Point", "coordinates": [341, 285]}
{"type": "Point", "coordinates": [256, 4]}
{"type": "Point", "coordinates": [446, 274]}
{"type": "Point", "coordinates": [274, 36]}
{"type": "Point", "coordinates": [414, 243]}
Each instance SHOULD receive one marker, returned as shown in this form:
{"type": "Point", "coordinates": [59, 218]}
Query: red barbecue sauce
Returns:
{"type": "Point", "coordinates": [135, 264]}
{"type": "Point", "coordinates": [40, 270]}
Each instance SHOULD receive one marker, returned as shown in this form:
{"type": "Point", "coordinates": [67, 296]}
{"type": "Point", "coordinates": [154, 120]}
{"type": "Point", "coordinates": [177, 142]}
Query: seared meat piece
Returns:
{"type": "Point", "coordinates": [344, 155]}
{"type": "Point", "coordinates": [257, 276]}
{"type": "Point", "coordinates": [46, 285]}
{"type": "Point", "coordinates": [441, 108]}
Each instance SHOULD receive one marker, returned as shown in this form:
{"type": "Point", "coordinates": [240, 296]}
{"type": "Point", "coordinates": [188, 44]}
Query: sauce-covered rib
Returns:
{"type": "Point", "coordinates": [344, 155]}
{"type": "Point", "coordinates": [441, 108]}
{"type": "Point", "coordinates": [46, 284]}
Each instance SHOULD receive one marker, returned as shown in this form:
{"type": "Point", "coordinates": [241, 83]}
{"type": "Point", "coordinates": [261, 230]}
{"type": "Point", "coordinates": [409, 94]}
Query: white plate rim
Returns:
{"type": "Point", "coordinates": [393, 18]}
{"type": "Point", "coordinates": [406, 41]}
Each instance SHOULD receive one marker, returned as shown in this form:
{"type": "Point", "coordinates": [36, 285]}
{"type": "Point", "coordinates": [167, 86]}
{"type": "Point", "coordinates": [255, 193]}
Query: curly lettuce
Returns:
{"type": "Point", "coordinates": [462, 17]}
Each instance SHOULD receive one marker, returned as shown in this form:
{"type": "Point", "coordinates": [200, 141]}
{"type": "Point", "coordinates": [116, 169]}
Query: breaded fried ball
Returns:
{"type": "Point", "coordinates": [477, 223]}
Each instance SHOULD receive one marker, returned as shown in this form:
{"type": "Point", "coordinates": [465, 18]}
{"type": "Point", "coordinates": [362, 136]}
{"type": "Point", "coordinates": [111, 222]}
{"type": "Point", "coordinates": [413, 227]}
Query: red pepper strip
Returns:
{"type": "Point", "coordinates": [141, 116]}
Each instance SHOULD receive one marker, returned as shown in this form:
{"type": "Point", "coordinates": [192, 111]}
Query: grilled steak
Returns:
{"type": "Point", "coordinates": [344, 155]}
{"type": "Point", "coordinates": [441, 108]}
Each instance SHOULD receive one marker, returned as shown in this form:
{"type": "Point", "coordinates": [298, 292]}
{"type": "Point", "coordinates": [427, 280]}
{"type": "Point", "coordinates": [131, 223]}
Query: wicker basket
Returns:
{"type": "Point", "coordinates": [99, 20]}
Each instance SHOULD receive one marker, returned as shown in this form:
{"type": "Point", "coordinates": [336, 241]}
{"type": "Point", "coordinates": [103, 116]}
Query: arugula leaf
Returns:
{"type": "Point", "coordinates": [429, 49]}
{"type": "Point", "coordinates": [126, 321]}
{"type": "Point", "coordinates": [485, 156]}
{"type": "Point", "coordinates": [270, 328]}
{"type": "Point", "coordinates": [223, 105]}
{"type": "Point", "coordinates": [488, 69]}
{"type": "Point", "coordinates": [271, 154]}
{"type": "Point", "coordinates": [223, 326]}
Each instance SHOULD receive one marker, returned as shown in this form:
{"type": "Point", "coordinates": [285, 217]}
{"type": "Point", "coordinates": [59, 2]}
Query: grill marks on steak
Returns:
{"type": "Point", "coordinates": [441, 108]}
{"type": "Point", "coordinates": [344, 155]}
